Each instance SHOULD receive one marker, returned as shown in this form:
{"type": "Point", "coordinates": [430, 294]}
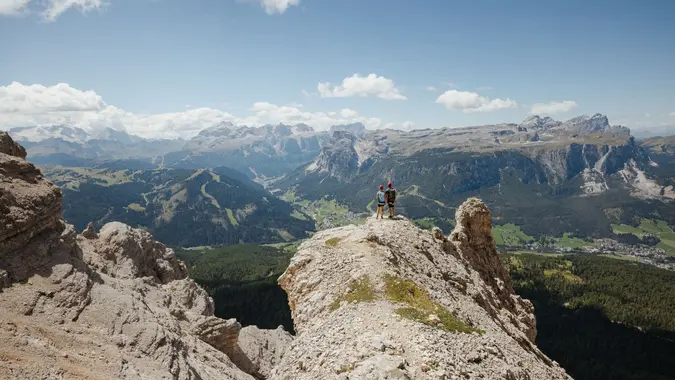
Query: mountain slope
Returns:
{"type": "Point", "coordinates": [180, 207]}
{"type": "Point", "coordinates": [573, 177]}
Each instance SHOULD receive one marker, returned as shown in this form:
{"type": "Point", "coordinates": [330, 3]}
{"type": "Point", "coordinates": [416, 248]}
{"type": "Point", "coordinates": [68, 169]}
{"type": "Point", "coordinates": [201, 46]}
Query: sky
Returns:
{"type": "Point", "coordinates": [169, 68]}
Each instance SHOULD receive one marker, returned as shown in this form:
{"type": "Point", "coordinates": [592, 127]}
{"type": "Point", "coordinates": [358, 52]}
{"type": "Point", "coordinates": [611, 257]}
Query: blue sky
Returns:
{"type": "Point", "coordinates": [166, 57]}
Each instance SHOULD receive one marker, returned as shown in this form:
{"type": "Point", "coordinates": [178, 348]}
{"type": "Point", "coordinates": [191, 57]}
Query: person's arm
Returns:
{"type": "Point", "coordinates": [386, 196]}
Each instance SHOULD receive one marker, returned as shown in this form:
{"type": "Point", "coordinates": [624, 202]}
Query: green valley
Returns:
{"type": "Point", "coordinates": [181, 207]}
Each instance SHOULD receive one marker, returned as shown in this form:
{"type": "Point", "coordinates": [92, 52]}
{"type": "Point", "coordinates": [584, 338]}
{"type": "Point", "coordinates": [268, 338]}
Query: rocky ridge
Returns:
{"type": "Point", "coordinates": [388, 300]}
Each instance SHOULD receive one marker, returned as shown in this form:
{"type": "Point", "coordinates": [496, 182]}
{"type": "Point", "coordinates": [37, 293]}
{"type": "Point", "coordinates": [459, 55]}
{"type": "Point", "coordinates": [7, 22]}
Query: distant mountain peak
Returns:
{"type": "Point", "coordinates": [357, 129]}
{"type": "Point", "coordinates": [38, 133]}
{"type": "Point", "coordinates": [538, 122]}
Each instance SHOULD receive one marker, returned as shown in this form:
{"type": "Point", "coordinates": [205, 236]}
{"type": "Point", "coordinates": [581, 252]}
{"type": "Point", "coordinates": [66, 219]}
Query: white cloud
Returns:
{"type": "Point", "coordinates": [50, 9]}
{"type": "Point", "coordinates": [408, 125]}
{"type": "Point", "coordinates": [356, 85]}
{"type": "Point", "coordinates": [348, 113]}
{"type": "Point", "coordinates": [271, 113]}
{"type": "Point", "coordinates": [12, 7]}
{"type": "Point", "coordinates": [56, 7]}
{"type": "Point", "coordinates": [553, 107]}
{"type": "Point", "coordinates": [432, 89]}
{"type": "Point", "coordinates": [472, 102]}
{"type": "Point", "coordinates": [278, 6]}
{"type": "Point", "coordinates": [17, 98]}
{"type": "Point", "coordinates": [23, 105]}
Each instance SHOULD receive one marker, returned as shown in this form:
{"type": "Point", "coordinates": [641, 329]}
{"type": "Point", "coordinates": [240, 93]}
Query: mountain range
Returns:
{"type": "Point", "coordinates": [581, 176]}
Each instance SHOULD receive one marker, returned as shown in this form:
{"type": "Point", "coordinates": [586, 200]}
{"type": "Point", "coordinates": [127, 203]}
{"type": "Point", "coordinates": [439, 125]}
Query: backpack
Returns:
{"type": "Point", "coordinates": [392, 195]}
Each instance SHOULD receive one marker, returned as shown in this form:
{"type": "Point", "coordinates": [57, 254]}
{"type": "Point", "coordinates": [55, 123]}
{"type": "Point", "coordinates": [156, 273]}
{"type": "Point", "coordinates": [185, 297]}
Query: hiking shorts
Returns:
{"type": "Point", "coordinates": [391, 205]}
{"type": "Point", "coordinates": [380, 205]}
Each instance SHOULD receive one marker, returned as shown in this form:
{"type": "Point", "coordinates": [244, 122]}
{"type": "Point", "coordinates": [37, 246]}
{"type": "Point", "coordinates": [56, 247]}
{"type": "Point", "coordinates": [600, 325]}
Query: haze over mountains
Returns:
{"type": "Point", "coordinates": [269, 150]}
{"type": "Point", "coordinates": [580, 176]}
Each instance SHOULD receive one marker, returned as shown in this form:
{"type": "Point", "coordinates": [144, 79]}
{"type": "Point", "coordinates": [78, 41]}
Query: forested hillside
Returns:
{"type": "Point", "coordinates": [242, 279]}
{"type": "Point", "coordinates": [600, 318]}
{"type": "Point", "coordinates": [180, 207]}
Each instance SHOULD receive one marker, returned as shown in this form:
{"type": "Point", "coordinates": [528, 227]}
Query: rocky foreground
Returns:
{"type": "Point", "coordinates": [381, 301]}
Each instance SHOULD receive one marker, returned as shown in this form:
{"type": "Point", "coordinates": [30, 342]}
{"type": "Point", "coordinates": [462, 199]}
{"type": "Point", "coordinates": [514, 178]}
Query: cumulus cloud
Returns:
{"type": "Point", "coordinates": [271, 113]}
{"type": "Point", "coordinates": [356, 85]}
{"type": "Point", "coordinates": [12, 7]}
{"type": "Point", "coordinates": [553, 107]}
{"type": "Point", "coordinates": [17, 98]}
{"type": "Point", "coordinates": [472, 102]}
{"type": "Point", "coordinates": [26, 105]}
{"type": "Point", "coordinates": [49, 9]}
{"type": "Point", "coordinates": [348, 113]}
{"type": "Point", "coordinates": [408, 125]}
{"type": "Point", "coordinates": [278, 6]}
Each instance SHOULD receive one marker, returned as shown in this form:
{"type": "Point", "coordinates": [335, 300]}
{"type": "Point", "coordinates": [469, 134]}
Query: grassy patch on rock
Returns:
{"type": "Point", "coordinates": [360, 290]}
{"type": "Point", "coordinates": [421, 308]}
{"type": "Point", "coordinates": [332, 242]}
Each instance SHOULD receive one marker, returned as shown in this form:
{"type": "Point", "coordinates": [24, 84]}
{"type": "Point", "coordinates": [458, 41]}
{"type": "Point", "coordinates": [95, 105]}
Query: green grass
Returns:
{"type": "Point", "coordinates": [421, 308]}
{"type": "Point", "coordinates": [572, 242]}
{"type": "Point", "coordinates": [298, 215]}
{"type": "Point", "coordinates": [535, 253]}
{"type": "Point", "coordinates": [566, 273]}
{"type": "Point", "coordinates": [657, 228]}
{"type": "Point", "coordinates": [426, 223]}
{"type": "Point", "coordinates": [510, 235]}
{"type": "Point", "coordinates": [332, 242]}
{"type": "Point", "coordinates": [626, 229]}
{"type": "Point", "coordinates": [136, 207]}
{"type": "Point", "coordinates": [230, 216]}
{"type": "Point", "coordinates": [285, 235]}
{"type": "Point", "coordinates": [360, 290]}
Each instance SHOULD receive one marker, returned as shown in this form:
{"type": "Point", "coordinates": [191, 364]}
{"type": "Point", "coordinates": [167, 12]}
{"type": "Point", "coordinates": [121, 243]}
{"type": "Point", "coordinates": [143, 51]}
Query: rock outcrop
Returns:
{"type": "Point", "coordinates": [388, 300]}
{"type": "Point", "coordinates": [112, 304]}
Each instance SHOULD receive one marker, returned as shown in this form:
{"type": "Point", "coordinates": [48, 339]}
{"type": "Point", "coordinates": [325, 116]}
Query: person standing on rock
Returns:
{"type": "Point", "coordinates": [390, 196]}
{"type": "Point", "coordinates": [380, 198]}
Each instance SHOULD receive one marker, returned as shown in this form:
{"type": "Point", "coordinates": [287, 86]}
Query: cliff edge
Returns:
{"type": "Point", "coordinates": [388, 300]}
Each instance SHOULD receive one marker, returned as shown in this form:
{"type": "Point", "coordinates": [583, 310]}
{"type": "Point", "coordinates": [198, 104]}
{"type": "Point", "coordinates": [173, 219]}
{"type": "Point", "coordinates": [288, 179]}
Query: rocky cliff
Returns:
{"type": "Point", "coordinates": [112, 304]}
{"type": "Point", "coordinates": [390, 301]}
{"type": "Point", "coordinates": [381, 301]}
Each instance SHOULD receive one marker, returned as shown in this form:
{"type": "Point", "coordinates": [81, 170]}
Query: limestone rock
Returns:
{"type": "Point", "coordinates": [9, 147]}
{"type": "Point", "coordinates": [387, 300]}
{"type": "Point", "coordinates": [109, 305]}
{"type": "Point", "coordinates": [263, 348]}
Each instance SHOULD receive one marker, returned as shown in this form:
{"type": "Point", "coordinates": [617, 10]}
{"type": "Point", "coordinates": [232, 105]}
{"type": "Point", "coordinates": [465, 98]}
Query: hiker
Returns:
{"type": "Point", "coordinates": [390, 196]}
{"type": "Point", "coordinates": [380, 198]}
